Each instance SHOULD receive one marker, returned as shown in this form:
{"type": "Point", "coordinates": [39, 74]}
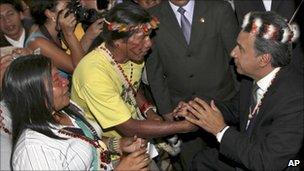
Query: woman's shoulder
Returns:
{"type": "Point", "coordinates": [34, 36]}
{"type": "Point", "coordinates": [31, 138]}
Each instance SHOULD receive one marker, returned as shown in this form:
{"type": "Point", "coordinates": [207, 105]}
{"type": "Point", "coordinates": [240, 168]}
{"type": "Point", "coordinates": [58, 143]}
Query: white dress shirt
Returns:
{"type": "Point", "coordinates": [267, 4]}
{"type": "Point", "coordinates": [189, 7]}
{"type": "Point", "coordinates": [263, 84]}
{"type": "Point", "coordinates": [17, 43]}
{"type": "Point", "coordinates": [36, 151]}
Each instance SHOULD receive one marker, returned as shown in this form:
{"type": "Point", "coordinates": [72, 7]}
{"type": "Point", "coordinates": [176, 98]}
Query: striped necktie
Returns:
{"type": "Point", "coordinates": [185, 24]}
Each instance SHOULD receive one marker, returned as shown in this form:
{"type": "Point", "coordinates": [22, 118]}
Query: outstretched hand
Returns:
{"type": "Point", "coordinates": [208, 117]}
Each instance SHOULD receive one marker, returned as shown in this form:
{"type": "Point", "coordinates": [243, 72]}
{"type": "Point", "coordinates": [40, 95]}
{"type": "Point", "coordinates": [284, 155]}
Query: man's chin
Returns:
{"type": "Point", "coordinates": [138, 60]}
{"type": "Point", "coordinates": [239, 71]}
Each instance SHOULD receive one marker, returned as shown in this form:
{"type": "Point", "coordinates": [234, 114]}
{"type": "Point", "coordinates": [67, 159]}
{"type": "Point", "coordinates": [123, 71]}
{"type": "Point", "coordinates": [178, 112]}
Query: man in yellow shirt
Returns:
{"type": "Point", "coordinates": [105, 82]}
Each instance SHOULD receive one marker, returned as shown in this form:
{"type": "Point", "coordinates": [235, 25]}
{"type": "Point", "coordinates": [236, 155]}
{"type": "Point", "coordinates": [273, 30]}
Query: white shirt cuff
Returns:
{"type": "Point", "coordinates": [219, 135]}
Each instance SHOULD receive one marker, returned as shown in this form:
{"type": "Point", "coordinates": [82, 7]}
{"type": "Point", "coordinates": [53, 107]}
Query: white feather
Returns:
{"type": "Point", "coordinates": [246, 20]}
{"type": "Point", "coordinates": [285, 36]}
{"type": "Point", "coordinates": [268, 34]}
{"type": "Point", "coordinates": [296, 32]}
{"type": "Point", "coordinates": [258, 23]}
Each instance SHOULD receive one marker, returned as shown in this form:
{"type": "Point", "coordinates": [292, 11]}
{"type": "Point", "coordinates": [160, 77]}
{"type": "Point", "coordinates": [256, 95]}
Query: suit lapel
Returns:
{"type": "Point", "coordinates": [267, 101]}
{"type": "Point", "coordinates": [198, 22]}
{"type": "Point", "coordinates": [170, 22]}
{"type": "Point", "coordinates": [274, 5]}
{"type": "Point", "coordinates": [246, 108]}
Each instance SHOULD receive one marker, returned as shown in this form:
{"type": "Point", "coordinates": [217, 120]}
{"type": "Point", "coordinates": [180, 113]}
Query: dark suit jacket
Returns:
{"type": "Point", "coordinates": [278, 129]}
{"type": "Point", "coordinates": [177, 71]}
{"type": "Point", "coordinates": [283, 7]}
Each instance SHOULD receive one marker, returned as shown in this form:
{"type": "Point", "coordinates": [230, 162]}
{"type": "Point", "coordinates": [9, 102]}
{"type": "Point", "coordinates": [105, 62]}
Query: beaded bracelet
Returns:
{"type": "Point", "coordinates": [113, 145]}
{"type": "Point", "coordinates": [150, 107]}
{"type": "Point", "coordinates": [146, 107]}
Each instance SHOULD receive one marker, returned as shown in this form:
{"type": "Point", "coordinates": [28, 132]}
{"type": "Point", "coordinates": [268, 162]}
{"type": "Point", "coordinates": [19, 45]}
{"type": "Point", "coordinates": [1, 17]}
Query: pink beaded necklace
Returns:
{"type": "Point", "coordinates": [130, 91]}
{"type": "Point", "coordinates": [258, 105]}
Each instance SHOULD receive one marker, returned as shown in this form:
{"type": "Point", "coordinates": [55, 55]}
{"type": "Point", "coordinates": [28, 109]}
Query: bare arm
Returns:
{"type": "Point", "coordinates": [61, 59]}
{"type": "Point", "coordinates": [92, 32]}
{"type": "Point", "coordinates": [152, 128]}
{"type": "Point", "coordinates": [67, 25]}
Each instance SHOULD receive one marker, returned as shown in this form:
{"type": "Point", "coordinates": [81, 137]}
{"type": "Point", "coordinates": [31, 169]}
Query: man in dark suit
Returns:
{"type": "Point", "coordinates": [190, 57]}
{"type": "Point", "coordinates": [286, 9]}
{"type": "Point", "coordinates": [269, 113]}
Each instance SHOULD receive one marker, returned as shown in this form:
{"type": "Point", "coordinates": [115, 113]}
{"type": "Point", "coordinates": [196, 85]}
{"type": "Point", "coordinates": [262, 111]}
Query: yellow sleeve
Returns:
{"type": "Point", "coordinates": [104, 100]}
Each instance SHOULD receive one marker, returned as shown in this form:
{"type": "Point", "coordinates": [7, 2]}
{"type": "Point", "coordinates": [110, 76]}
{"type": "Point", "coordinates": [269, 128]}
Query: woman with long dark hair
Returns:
{"type": "Point", "coordinates": [49, 132]}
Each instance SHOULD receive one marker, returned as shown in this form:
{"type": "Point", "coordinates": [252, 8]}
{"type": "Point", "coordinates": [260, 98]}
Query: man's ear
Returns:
{"type": "Point", "coordinates": [265, 59]}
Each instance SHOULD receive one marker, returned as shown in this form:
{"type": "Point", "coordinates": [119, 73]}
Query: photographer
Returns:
{"type": "Point", "coordinates": [54, 19]}
{"type": "Point", "coordinates": [89, 23]}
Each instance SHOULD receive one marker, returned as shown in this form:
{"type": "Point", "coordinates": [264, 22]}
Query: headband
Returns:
{"type": "Point", "coordinates": [122, 27]}
{"type": "Point", "coordinates": [270, 31]}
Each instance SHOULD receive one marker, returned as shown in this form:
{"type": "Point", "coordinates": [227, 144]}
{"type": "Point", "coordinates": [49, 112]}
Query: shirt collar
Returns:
{"type": "Point", "coordinates": [189, 7]}
{"type": "Point", "coordinates": [266, 81]}
{"type": "Point", "coordinates": [17, 43]}
{"type": "Point", "coordinates": [267, 4]}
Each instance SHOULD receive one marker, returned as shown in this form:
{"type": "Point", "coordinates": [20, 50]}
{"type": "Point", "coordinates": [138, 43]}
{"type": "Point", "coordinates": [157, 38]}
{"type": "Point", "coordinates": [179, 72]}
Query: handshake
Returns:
{"type": "Point", "coordinates": [200, 113]}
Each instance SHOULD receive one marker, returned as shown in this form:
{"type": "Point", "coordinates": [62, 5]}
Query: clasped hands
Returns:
{"type": "Point", "coordinates": [202, 114]}
{"type": "Point", "coordinates": [137, 157]}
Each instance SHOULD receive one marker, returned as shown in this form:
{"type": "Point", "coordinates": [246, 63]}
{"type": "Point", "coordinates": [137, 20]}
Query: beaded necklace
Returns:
{"type": "Point", "coordinates": [103, 154]}
{"type": "Point", "coordinates": [6, 130]}
{"type": "Point", "coordinates": [130, 91]}
{"type": "Point", "coordinates": [258, 105]}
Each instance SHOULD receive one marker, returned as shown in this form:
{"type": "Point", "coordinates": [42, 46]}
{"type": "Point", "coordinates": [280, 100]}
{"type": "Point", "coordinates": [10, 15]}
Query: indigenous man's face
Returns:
{"type": "Point", "coordinates": [138, 46]}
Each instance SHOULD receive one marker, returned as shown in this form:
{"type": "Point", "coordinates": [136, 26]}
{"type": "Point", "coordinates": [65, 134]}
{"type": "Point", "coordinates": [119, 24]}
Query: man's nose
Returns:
{"type": "Point", "coordinates": [233, 53]}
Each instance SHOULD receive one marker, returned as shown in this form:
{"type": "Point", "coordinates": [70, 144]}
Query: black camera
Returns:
{"type": "Point", "coordinates": [82, 14]}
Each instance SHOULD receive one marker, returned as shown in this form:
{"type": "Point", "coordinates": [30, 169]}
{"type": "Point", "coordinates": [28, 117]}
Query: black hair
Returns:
{"type": "Point", "coordinates": [15, 3]}
{"type": "Point", "coordinates": [280, 52]}
{"type": "Point", "coordinates": [126, 13]}
{"type": "Point", "coordinates": [38, 8]}
{"type": "Point", "coordinates": [27, 92]}
{"type": "Point", "coordinates": [28, 95]}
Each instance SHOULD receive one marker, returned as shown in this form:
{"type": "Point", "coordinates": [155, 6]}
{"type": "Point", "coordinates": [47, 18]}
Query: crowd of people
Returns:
{"type": "Point", "coordinates": [151, 85]}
